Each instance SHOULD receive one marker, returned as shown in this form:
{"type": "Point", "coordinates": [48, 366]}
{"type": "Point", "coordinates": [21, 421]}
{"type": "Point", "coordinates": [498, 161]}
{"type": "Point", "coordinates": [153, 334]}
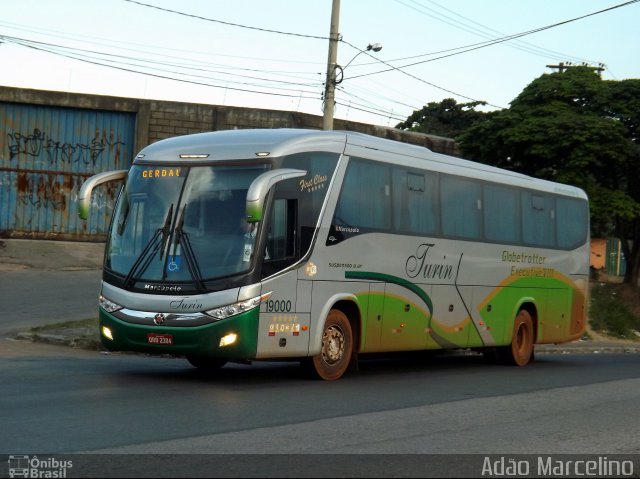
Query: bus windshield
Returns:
{"type": "Point", "coordinates": [182, 224]}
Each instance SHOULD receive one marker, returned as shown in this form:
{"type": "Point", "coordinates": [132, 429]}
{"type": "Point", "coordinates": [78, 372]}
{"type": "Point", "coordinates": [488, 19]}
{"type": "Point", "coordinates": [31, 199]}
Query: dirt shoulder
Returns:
{"type": "Point", "coordinates": [21, 254]}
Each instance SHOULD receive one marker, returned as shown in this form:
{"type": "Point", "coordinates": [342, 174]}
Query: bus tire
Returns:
{"type": "Point", "coordinates": [520, 351]}
{"type": "Point", "coordinates": [206, 363]}
{"type": "Point", "coordinates": [337, 348]}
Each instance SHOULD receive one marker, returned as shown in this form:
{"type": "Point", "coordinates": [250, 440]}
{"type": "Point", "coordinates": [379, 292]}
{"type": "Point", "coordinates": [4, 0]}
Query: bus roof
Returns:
{"type": "Point", "coordinates": [251, 144]}
{"type": "Point", "coordinates": [246, 144]}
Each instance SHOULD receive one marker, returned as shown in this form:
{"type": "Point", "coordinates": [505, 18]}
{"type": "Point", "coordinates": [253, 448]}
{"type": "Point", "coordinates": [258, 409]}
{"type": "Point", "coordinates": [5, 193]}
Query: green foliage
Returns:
{"type": "Point", "coordinates": [555, 130]}
{"type": "Point", "coordinates": [447, 118]}
{"type": "Point", "coordinates": [603, 201]}
{"type": "Point", "coordinates": [610, 314]}
{"type": "Point", "coordinates": [577, 87]}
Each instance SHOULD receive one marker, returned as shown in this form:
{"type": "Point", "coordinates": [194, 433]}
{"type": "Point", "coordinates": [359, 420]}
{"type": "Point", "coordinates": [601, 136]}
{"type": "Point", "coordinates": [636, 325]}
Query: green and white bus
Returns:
{"type": "Point", "coordinates": [320, 246]}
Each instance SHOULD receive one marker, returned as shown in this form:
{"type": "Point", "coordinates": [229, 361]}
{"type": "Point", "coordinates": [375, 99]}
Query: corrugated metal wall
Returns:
{"type": "Point", "coordinates": [45, 155]}
{"type": "Point", "coordinates": [616, 263]}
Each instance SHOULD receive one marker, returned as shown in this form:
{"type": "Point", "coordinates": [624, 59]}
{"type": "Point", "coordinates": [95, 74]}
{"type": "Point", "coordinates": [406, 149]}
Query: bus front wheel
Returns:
{"type": "Point", "coordinates": [520, 351]}
{"type": "Point", "coordinates": [337, 347]}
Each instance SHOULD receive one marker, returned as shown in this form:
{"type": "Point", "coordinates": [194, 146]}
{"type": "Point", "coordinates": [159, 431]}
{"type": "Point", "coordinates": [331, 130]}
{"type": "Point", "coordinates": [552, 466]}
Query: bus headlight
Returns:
{"type": "Point", "coordinates": [228, 340]}
{"type": "Point", "coordinates": [237, 308]}
{"type": "Point", "coordinates": [108, 305]}
{"type": "Point", "coordinates": [106, 332]}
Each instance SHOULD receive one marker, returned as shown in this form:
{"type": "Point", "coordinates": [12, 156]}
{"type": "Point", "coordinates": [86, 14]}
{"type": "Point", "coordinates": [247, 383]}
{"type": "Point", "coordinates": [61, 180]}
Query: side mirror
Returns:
{"type": "Point", "coordinates": [260, 187]}
{"type": "Point", "coordinates": [84, 197]}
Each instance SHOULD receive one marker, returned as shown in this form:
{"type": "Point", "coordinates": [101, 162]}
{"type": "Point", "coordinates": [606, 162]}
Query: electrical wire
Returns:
{"type": "Point", "coordinates": [314, 37]}
{"type": "Point", "coordinates": [117, 61]}
{"type": "Point", "coordinates": [483, 32]}
{"type": "Point", "coordinates": [131, 64]}
{"type": "Point", "coordinates": [365, 103]}
{"type": "Point", "coordinates": [41, 46]}
{"type": "Point", "coordinates": [239, 25]}
{"type": "Point", "coordinates": [185, 63]}
{"type": "Point", "coordinates": [421, 80]}
{"type": "Point", "coordinates": [496, 41]}
{"type": "Point", "coordinates": [149, 48]}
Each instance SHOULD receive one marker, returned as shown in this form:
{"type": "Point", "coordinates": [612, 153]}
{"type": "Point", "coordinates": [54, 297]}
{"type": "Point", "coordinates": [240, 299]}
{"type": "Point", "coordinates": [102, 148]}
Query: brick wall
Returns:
{"type": "Point", "coordinates": [157, 120]}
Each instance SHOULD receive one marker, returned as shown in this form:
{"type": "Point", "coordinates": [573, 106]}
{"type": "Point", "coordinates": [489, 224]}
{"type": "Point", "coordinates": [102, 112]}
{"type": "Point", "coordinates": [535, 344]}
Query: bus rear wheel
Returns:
{"type": "Point", "coordinates": [520, 351]}
{"type": "Point", "coordinates": [337, 347]}
{"type": "Point", "coordinates": [206, 363]}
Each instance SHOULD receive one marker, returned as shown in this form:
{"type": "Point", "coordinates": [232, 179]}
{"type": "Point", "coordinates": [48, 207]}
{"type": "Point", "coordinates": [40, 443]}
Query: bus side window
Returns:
{"type": "Point", "coordinates": [281, 249]}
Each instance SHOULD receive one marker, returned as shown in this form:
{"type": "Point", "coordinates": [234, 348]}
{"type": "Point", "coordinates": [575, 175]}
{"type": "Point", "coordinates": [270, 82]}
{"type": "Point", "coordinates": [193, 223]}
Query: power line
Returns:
{"type": "Point", "coordinates": [476, 47]}
{"type": "Point", "coordinates": [146, 47]}
{"type": "Point", "coordinates": [40, 46]}
{"type": "Point", "coordinates": [239, 25]}
{"type": "Point", "coordinates": [81, 54]}
{"type": "Point", "coordinates": [400, 69]}
{"type": "Point", "coordinates": [378, 95]}
{"type": "Point", "coordinates": [366, 103]}
{"type": "Point", "coordinates": [467, 26]}
{"type": "Point", "coordinates": [306, 36]}
{"type": "Point", "coordinates": [390, 115]}
{"type": "Point", "coordinates": [499, 40]}
{"type": "Point", "coordinates": [115, 61]}
{"type": "Point", "coordinates": [120, 60]}
{"type": "Point", "coordinates": [185, 62]}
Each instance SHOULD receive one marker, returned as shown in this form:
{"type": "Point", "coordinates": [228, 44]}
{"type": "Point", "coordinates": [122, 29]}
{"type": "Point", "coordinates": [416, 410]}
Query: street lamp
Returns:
{"type": "Point", "coordinates": [330, 85]}
{"type": "Point", "coordinates": [376, 47]}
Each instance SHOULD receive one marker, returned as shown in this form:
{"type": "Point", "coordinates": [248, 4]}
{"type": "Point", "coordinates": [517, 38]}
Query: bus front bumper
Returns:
{"type": "Point", "coordinates": [231, 338]}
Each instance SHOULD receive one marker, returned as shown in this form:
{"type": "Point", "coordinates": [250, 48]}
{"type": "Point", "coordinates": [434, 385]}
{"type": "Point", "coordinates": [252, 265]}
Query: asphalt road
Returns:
{"type": "Point", "coordinates": [35, 297]}
{"type": "Point", "coordinates": [59, 400]}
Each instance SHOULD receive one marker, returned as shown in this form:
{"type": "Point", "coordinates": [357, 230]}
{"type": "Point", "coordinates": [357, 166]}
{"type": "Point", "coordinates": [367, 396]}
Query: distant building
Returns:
{"type": "Point", "coordinates": [607, 258]}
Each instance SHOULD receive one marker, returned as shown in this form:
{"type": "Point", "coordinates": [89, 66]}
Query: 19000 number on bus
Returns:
{"type": "Point", "coordinates": [282, 306]}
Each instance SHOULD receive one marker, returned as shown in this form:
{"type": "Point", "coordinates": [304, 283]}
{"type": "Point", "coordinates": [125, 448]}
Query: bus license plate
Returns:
{"type": "Point", "coordinates": [166, 339]}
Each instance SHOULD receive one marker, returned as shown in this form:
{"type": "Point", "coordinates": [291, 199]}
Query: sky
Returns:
{"type": "Point", "coordinates": [272, 54]}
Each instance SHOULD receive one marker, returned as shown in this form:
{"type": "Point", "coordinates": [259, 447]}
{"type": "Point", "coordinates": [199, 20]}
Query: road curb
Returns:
{"type": "Point", "coordinates": [87, 337]}
{"type": "Point", "coordinates": [587, 349]}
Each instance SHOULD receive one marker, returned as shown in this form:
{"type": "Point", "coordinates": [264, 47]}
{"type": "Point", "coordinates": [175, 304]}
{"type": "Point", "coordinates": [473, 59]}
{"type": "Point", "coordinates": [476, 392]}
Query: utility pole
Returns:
{"type": "Point", "coordinates": [562, 66]}
{"type": "Point", "coordinates": [330, 85]}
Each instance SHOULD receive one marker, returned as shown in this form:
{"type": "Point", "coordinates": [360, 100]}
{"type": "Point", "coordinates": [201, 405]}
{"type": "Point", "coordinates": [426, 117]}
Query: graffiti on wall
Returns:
{"type": "Point", "coordinates": [51, 189]}
{"type": "Point", "coordinates": [53, 192]}
{"type": "Point", "coordinates": [44, 191]}
{"type": "Point", "coordinates": [38, 142]}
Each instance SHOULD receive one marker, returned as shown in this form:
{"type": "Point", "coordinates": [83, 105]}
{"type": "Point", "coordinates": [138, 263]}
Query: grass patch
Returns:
{"type": "Point", "coordinates": [63, 325]}
{"type": "Point", "coordinates": [81, 333]}
{"type": "Point", "coordinates": [613, 310]}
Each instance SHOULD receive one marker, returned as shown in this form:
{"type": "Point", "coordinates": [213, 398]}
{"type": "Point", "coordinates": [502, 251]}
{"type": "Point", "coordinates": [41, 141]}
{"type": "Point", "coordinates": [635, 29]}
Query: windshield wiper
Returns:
{"type": "Point", "coordinates": [153, 246]}
{"type": "Point", "coordinates": [123, 217]}
{"type": "Point", "coordinates": [166, 229]}
{"type": "Point", "coordinates": [182, 239]}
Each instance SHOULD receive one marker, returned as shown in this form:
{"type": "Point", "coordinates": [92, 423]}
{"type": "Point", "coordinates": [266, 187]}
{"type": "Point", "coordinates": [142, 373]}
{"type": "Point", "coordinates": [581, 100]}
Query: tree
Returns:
{"type": "Point", "coordinates": [575, 128]}
{"type": "Point", "coordinates": [447, 118]}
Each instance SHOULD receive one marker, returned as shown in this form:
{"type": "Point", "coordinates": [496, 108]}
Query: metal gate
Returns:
{"type": "Point", "coordinates": [45, 155]}
{"type": "Point", "coordinates": [616, 263]}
